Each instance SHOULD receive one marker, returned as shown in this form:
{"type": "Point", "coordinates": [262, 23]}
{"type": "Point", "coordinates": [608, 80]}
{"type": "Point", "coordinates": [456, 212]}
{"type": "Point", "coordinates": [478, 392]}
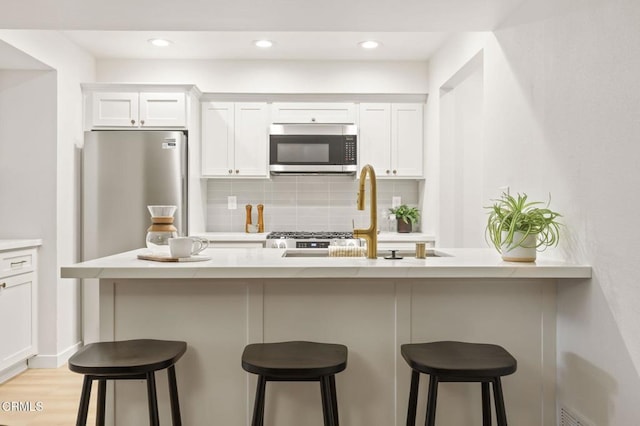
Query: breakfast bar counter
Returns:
{"type": "Point", "coordinates": [277, 263]}
{"type": "Point", "coordinates": [372, 306]}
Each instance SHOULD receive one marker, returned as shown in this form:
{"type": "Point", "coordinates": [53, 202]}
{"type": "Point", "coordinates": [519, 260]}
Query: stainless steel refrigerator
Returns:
{"type": "Point", "coordinates": [123, 172]}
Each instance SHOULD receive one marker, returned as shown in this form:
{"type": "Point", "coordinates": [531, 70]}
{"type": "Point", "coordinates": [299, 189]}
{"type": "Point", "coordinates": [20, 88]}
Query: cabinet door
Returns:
{"type": "Point", "coordinates": [114, 109]}
{"type": "Point", "coordinates": [374, 143]}
{"type": "Point", "coordinates": [236, 244]}
{"type": "Point", "coordinates": [163, 110]}
{"type": "Point", "coordinates": [17, 297]}
{"type": "Point", "coordinates": [317, 112]}
{"type": "Point", "coordinates": [406, 140]}
{"type": "Point", "coordinates": [217, 138]}
{"type": "Point", "coordinates": [251, 122]}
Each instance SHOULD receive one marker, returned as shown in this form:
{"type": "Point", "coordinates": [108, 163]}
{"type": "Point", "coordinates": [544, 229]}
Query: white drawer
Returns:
{"type": "Point", "coordinates": [236, 244]}
{"type": "Point", "coordinates": [16, 262]}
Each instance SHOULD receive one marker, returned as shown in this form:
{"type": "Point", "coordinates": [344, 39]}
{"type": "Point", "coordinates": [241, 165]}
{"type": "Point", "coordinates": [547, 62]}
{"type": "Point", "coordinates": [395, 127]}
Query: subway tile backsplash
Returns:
{"type": "Point", "coordinates": [302, 203]}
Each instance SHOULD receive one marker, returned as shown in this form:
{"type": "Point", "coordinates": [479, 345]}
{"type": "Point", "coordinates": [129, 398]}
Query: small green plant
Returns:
{"type": "Point", "coordinates": [510, 215]}
{"type": "Point", "coordinates": [406, 213]}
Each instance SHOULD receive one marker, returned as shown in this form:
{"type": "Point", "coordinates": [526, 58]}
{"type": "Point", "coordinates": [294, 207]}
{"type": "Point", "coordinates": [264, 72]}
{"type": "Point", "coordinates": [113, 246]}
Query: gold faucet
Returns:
{"type": "Point", "coordinates": [370, 234]}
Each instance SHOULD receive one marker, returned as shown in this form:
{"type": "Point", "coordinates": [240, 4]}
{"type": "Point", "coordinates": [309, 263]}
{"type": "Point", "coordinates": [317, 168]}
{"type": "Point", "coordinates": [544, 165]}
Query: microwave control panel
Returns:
{"type": "Point", "coordinates": [350, 151]}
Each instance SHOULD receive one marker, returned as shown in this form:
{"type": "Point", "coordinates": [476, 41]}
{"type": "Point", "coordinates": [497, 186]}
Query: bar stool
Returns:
{"type": "Point", "coordinates": [458, 362]}
{"type": "Point", "coordinates": [296, 362]}
{"type": "Point", "coordinates": [127, 360]}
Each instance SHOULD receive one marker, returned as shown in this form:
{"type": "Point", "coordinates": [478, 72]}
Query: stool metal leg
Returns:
{"type": "Point", "coordinates": [334, 400]}
{"type": "Point", "coordinates": [325, 392]}
{"type": "Point", "coordinates": [83, 409]}
{"type": "Point", "coordinates": [413, 398]}
{"type": "Point", "coordinates": [154, 418]}
{"type": "Point", "coordinates": [486, 405]}
{"type": "Point", "coordinates": [258, 407]}
{"type": "Point", "coordinates": [102, 397]}
{"type": "Point", "coordinates": [173, 394]}
{"type": "Point", "coordinates": [431, 401]}
{"type": "Point", "coordinates": [499, 401]}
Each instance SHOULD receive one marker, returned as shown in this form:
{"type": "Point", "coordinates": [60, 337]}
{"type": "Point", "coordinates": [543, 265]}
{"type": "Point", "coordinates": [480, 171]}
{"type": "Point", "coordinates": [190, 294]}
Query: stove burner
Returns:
{"type": "Point", "coordinates": [300, 235]}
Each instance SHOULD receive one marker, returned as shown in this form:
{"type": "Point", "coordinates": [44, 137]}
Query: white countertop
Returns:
{"type": "Point", "coordinates": [232, 236]}
{"type": "Point", "coordinates": [248, 237]}
{"type": "Point", "coordinates": [409, 237]}
{"type": "Point", "coordinates": [19, 244]}
{"type": "Point", "coordinates": [270, 263]}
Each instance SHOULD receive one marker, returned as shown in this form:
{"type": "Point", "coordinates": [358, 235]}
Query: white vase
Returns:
{"type": "Point", "coordinates": [524, 251]}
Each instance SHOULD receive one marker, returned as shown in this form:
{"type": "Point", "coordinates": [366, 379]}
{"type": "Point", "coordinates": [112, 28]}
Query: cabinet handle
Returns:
{"type": "Point", "coordinates": [3, 285]}
{"type": "Point", "coordinates": [388, 171]}
{"type": "Point", "coordinates": [133, 122]}
{"type": "Point", "coordinates": [394, 172]}
{"type": "Point", "coordinates": [230, 171]}
{"type": "Point", "coordinates": [142, 122]}
{"type": "Point", "coordinates": [237, 171]}
{"type": "Point", "coordinates": [313, 119]}
{"type": "Point", "coordinates": [18, 263]}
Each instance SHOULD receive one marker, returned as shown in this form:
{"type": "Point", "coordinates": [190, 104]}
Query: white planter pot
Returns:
{"type": "Point", "coordinates": [524, 252]}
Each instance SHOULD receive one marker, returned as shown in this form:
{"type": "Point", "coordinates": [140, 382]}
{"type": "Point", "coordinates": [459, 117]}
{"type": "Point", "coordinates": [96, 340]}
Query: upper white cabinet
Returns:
{"type": "Point", "coordinates": [391, 138]}
{"type": "Point", "coordinates": [18, 310]}
{"type": "Point", "coordinates": [316, 112]}
{"type": "Point", "coordinates": [235, 139]}
{"type": "Point", "coordinates": [131, 109]}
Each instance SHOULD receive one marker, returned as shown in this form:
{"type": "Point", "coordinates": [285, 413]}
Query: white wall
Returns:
{"type": "Point", "coordinates": [212, 76]}
{"type": "Point", "coordinates": [28, 176]}
{"type": "Point", "coordinates": [443, 66]}
{"type": "Point", "coordinates": [461, 157]}
{"type": "Point", "coordinates": [59, 304]}
{"type": "Point", "coordinates": [562, 116]}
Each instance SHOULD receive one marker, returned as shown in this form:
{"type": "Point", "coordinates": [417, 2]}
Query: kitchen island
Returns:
{"type": "Point", "coordinates": [373, 306]}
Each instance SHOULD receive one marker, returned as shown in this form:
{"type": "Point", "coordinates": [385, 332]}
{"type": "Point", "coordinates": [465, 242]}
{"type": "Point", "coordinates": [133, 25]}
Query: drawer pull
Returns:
{"type": "Point", "coordinates": [3, 285]}
{"type": "Point", "coordinates": [20, 263]}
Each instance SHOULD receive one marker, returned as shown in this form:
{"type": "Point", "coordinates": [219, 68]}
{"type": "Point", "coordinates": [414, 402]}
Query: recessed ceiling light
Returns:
{"type": "Point", "coordinates": [263, 43]}
{"type": "Point", "coordinates": [160, 42]}
{"type": "Point", "coordinates": [369, 44]}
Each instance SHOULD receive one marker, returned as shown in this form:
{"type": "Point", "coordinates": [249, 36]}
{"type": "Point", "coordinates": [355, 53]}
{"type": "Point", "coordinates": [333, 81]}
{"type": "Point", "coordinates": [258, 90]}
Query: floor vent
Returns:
{"type": "Point", "coordinates": [568, 418]}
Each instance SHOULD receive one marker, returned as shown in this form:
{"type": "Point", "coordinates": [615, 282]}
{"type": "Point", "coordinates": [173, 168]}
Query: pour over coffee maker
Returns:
{"type": "Point", "coordinates": [161, 228]}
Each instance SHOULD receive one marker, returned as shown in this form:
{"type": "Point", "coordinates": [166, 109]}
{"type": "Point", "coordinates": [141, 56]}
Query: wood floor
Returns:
{"type": "Point", "coordinates": [43, 397]}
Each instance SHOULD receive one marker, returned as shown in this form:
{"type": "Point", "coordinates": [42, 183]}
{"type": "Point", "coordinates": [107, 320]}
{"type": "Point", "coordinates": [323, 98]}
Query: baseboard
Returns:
{"type": "Point", "coordinates": [54, 361]}
{"type": "Point", "coordinates": [12, 371]}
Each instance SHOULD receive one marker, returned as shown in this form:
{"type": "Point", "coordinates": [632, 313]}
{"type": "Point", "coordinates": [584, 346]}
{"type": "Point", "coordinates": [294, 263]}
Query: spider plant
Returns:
{"type": "Point", "coordinates": [513, 219]}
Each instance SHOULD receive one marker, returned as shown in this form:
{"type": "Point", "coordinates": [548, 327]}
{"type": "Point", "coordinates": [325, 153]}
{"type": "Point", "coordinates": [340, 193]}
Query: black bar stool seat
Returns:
{"type": "Point", "coordinates": [296, 362]}
{"type": "Point", "coordinates": [458, 362]}
{"type": "Point", "coordinates": [127, 360]}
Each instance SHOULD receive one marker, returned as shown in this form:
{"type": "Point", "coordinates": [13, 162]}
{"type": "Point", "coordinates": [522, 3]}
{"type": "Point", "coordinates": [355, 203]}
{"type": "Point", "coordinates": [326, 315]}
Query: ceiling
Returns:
{"type": "Point", "coordinates": [239, 45]}
{"type": "Point", "coordinates": [225, 29]}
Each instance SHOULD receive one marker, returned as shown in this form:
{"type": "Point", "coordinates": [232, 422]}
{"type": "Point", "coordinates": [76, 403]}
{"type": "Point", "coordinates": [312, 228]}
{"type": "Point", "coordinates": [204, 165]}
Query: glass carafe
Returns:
{"type": "Point", "coordinates": [161, 228]}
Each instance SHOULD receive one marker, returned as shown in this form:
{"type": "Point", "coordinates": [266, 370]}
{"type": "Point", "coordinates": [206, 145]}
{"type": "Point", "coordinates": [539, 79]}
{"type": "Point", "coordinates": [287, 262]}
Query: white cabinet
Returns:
{"type": "Point", "coordinates": [138, 109]}
{"type": "Point", "coordinates": [236, 244]}
{"type": "Point", "coordinates": [18, 310]}
{"type": "Point", "coordinates": [235, 139]}
{"type": "Point", "coordinates": [391, 138]}
{"type": "Point", "coordinates": [317, 112]}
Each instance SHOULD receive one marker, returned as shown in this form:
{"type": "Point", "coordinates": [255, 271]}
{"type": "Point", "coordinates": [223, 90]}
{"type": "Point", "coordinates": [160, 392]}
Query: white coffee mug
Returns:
{"type": "Point", "coordinates": [181, 247]}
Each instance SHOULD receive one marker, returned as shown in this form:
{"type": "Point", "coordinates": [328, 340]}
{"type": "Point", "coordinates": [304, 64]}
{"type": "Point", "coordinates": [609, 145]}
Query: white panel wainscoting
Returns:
{"type": "Point", "coordinates": [373, 317]}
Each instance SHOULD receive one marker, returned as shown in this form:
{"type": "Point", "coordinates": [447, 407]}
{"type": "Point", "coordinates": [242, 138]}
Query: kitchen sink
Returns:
{"type": "Point", "coordinates": [325, 253]}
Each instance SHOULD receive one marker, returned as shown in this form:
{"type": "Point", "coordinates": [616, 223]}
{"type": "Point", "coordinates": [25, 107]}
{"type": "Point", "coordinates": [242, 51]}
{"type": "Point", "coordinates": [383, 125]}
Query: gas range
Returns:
{"type": "Point", "coordinates": [310, 240]}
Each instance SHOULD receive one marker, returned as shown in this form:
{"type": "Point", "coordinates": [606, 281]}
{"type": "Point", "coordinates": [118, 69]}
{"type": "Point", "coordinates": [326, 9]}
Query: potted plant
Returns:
{"type": "Point", "coordinates": [518, 228]}
{"type": "Point", "coordinates": [406, 217]}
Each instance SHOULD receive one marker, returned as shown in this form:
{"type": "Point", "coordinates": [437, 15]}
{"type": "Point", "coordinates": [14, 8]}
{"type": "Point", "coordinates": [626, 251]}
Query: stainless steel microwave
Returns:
{"type": "Point", "coordinates": [313, 149]}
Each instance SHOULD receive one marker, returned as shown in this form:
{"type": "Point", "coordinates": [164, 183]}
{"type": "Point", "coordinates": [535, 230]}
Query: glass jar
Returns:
{"type": "Point", "coordinates": [161, 228]}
